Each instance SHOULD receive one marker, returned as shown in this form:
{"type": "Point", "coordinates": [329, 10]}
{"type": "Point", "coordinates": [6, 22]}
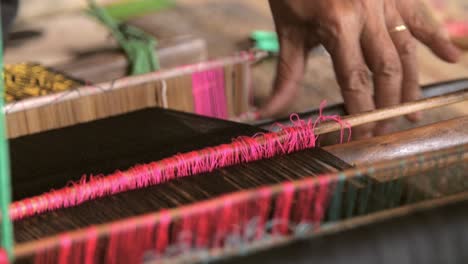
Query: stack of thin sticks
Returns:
{"type": "Point", "coordinates": [218, 88]}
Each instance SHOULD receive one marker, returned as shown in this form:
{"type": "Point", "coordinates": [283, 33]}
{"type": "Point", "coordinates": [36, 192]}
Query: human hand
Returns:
{"type": "Point", "coordinates": [361, 36]}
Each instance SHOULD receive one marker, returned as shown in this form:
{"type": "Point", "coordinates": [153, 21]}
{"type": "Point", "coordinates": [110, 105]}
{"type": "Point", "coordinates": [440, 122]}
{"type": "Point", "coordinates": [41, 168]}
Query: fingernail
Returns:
{"type": "Point", "coordinates": [452, 52]}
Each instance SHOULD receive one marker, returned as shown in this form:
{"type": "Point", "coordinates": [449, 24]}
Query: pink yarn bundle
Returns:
{"type": "Point", "coordinates": [243, 149]}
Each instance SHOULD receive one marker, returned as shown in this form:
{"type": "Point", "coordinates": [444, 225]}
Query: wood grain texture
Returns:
{"type": "Point", "coordinates": [443, 134]}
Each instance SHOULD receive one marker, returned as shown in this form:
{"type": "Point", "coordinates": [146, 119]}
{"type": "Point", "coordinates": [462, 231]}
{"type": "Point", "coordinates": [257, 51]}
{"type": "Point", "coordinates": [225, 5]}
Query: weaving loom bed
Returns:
{"type": "Point", "coordinates": [113, 229]}
{"type": "Point", "coordinates": [208, 189]}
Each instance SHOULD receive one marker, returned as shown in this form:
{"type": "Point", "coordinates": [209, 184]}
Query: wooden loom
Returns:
{"type": "Point", "coordinates": [357, 196]}
{"type": "Point", "coordinates": [189, 88]}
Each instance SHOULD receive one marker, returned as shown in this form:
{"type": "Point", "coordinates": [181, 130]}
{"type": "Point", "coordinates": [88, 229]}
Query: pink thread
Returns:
{"type": "Point", "coordinates": [207, 224]}
{"type": "Point", "coordinates": [335, 118]}
{"type": "Point", "coordinates": [224, 222]}
{"type": "Point", "coordinates": [182, 234]}
{"type": "Point", "coordinates": [129, 246]}
{"type": "Point", "coordinates": [209, 93]}
{"type": "Point", "coordinates": [234, 222]}
{"type": "Point", "coordinates": [322, 200]}
{"type": "Point", "coordinates": [90, 246]}
{"type": "Point", "coordinates": [162, 232]}
{"type": "Point", "coordinates": [457, 28]}
{"type": "Point", "coordinates": [65, 249]}
{"type": "Point", "coordinates": [112, 247]}
{"type": "Point", "coordinates": [146, 235]}
{"type": "Point", "coordinates": [242, 150]}
{"type": "Point", "coordinates": [263, 209]}
{"type": "Point", "coordinates": [283, 209]}
{"type": "Point", "coordinates": [304, 205]}
{"type": "Point", "coordinates": [3, 257]}
{"type": "Point", "coordinates": [204, 230]}
{"type": "Point", "coordinates": [41, 257]}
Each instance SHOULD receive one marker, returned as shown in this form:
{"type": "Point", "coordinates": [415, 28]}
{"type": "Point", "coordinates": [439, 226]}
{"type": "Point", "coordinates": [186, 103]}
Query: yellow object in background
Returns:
{"type": "Point", "coordinates": [26, 80]}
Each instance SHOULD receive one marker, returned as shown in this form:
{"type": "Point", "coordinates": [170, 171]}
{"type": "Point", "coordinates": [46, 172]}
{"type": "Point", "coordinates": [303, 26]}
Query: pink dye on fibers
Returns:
{"type": "Point", "coordinates": [242, 150]}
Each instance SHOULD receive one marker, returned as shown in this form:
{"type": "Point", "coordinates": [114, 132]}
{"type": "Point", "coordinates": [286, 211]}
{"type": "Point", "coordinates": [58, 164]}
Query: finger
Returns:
{"type": "Point", "coordinates": [384, 62]}
{"type": "Point", "coordinates": [291, 63]}
{"type": "Point", "coordinates": [289, 75]}
{"type": "Point", "coordinates": [426, 29]}
{"type": "Point", "coordinates": [342, 42]}
{"type": "Point", "coordinates": [406, 48]}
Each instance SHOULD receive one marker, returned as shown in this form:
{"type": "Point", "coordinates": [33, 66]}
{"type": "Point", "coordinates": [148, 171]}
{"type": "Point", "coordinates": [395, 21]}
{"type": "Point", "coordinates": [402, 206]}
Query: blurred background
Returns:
{"type": "Point", "coordinates": [60, 34]}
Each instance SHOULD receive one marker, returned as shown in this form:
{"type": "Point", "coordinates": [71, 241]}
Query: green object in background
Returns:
{"type": "Point", "coordinates": [265, 41]}
{"type": "Point", "coordinates": [6, 227]}
{"type": "Point", "coordinates": [138, 46]}
{"type": "Point", "coordinates": [131, 8]}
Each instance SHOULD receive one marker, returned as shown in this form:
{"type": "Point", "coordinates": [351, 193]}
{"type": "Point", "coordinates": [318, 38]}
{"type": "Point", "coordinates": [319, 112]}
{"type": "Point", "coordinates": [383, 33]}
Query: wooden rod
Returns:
{"type": "Point", "coordinates": [383, 113]}
{"type": "Point", "coordinates": [394, 111]}
{"type": "Point", "coordinates": [409, 142]}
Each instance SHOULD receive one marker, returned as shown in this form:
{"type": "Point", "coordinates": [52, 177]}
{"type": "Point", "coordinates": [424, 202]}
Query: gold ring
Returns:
{"type": "Point", "coordinates": [399, 28]}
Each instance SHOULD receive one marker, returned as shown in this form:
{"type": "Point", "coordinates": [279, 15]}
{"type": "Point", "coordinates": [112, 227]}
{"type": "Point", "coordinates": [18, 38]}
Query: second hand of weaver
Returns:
{"type": "Point", "coordinates": [360, 35]}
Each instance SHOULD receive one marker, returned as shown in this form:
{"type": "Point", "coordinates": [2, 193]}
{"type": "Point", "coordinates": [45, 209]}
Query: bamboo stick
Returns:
{"type": "Point", "coordinates": [394, 111]}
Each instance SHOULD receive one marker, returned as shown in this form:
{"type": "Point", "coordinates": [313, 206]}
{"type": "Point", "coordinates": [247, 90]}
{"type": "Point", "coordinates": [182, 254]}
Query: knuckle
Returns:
{"type": "Point", "coordinates": [284, 67]}
{"type": "Point", "coordinates": [407, 48]}
{"type": "Point", "coordinates": [417, 23]}
{"type": "Point", "coordinates": [356, 80]}
{"type": "Point", "coordinates": [335, 23]}
{"type": "Point", "coordinates": [423, 25]}
{"type": "Point", "coordinates": [339, 22]}
{"type": "Point", "coordinates": [389, 66]}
